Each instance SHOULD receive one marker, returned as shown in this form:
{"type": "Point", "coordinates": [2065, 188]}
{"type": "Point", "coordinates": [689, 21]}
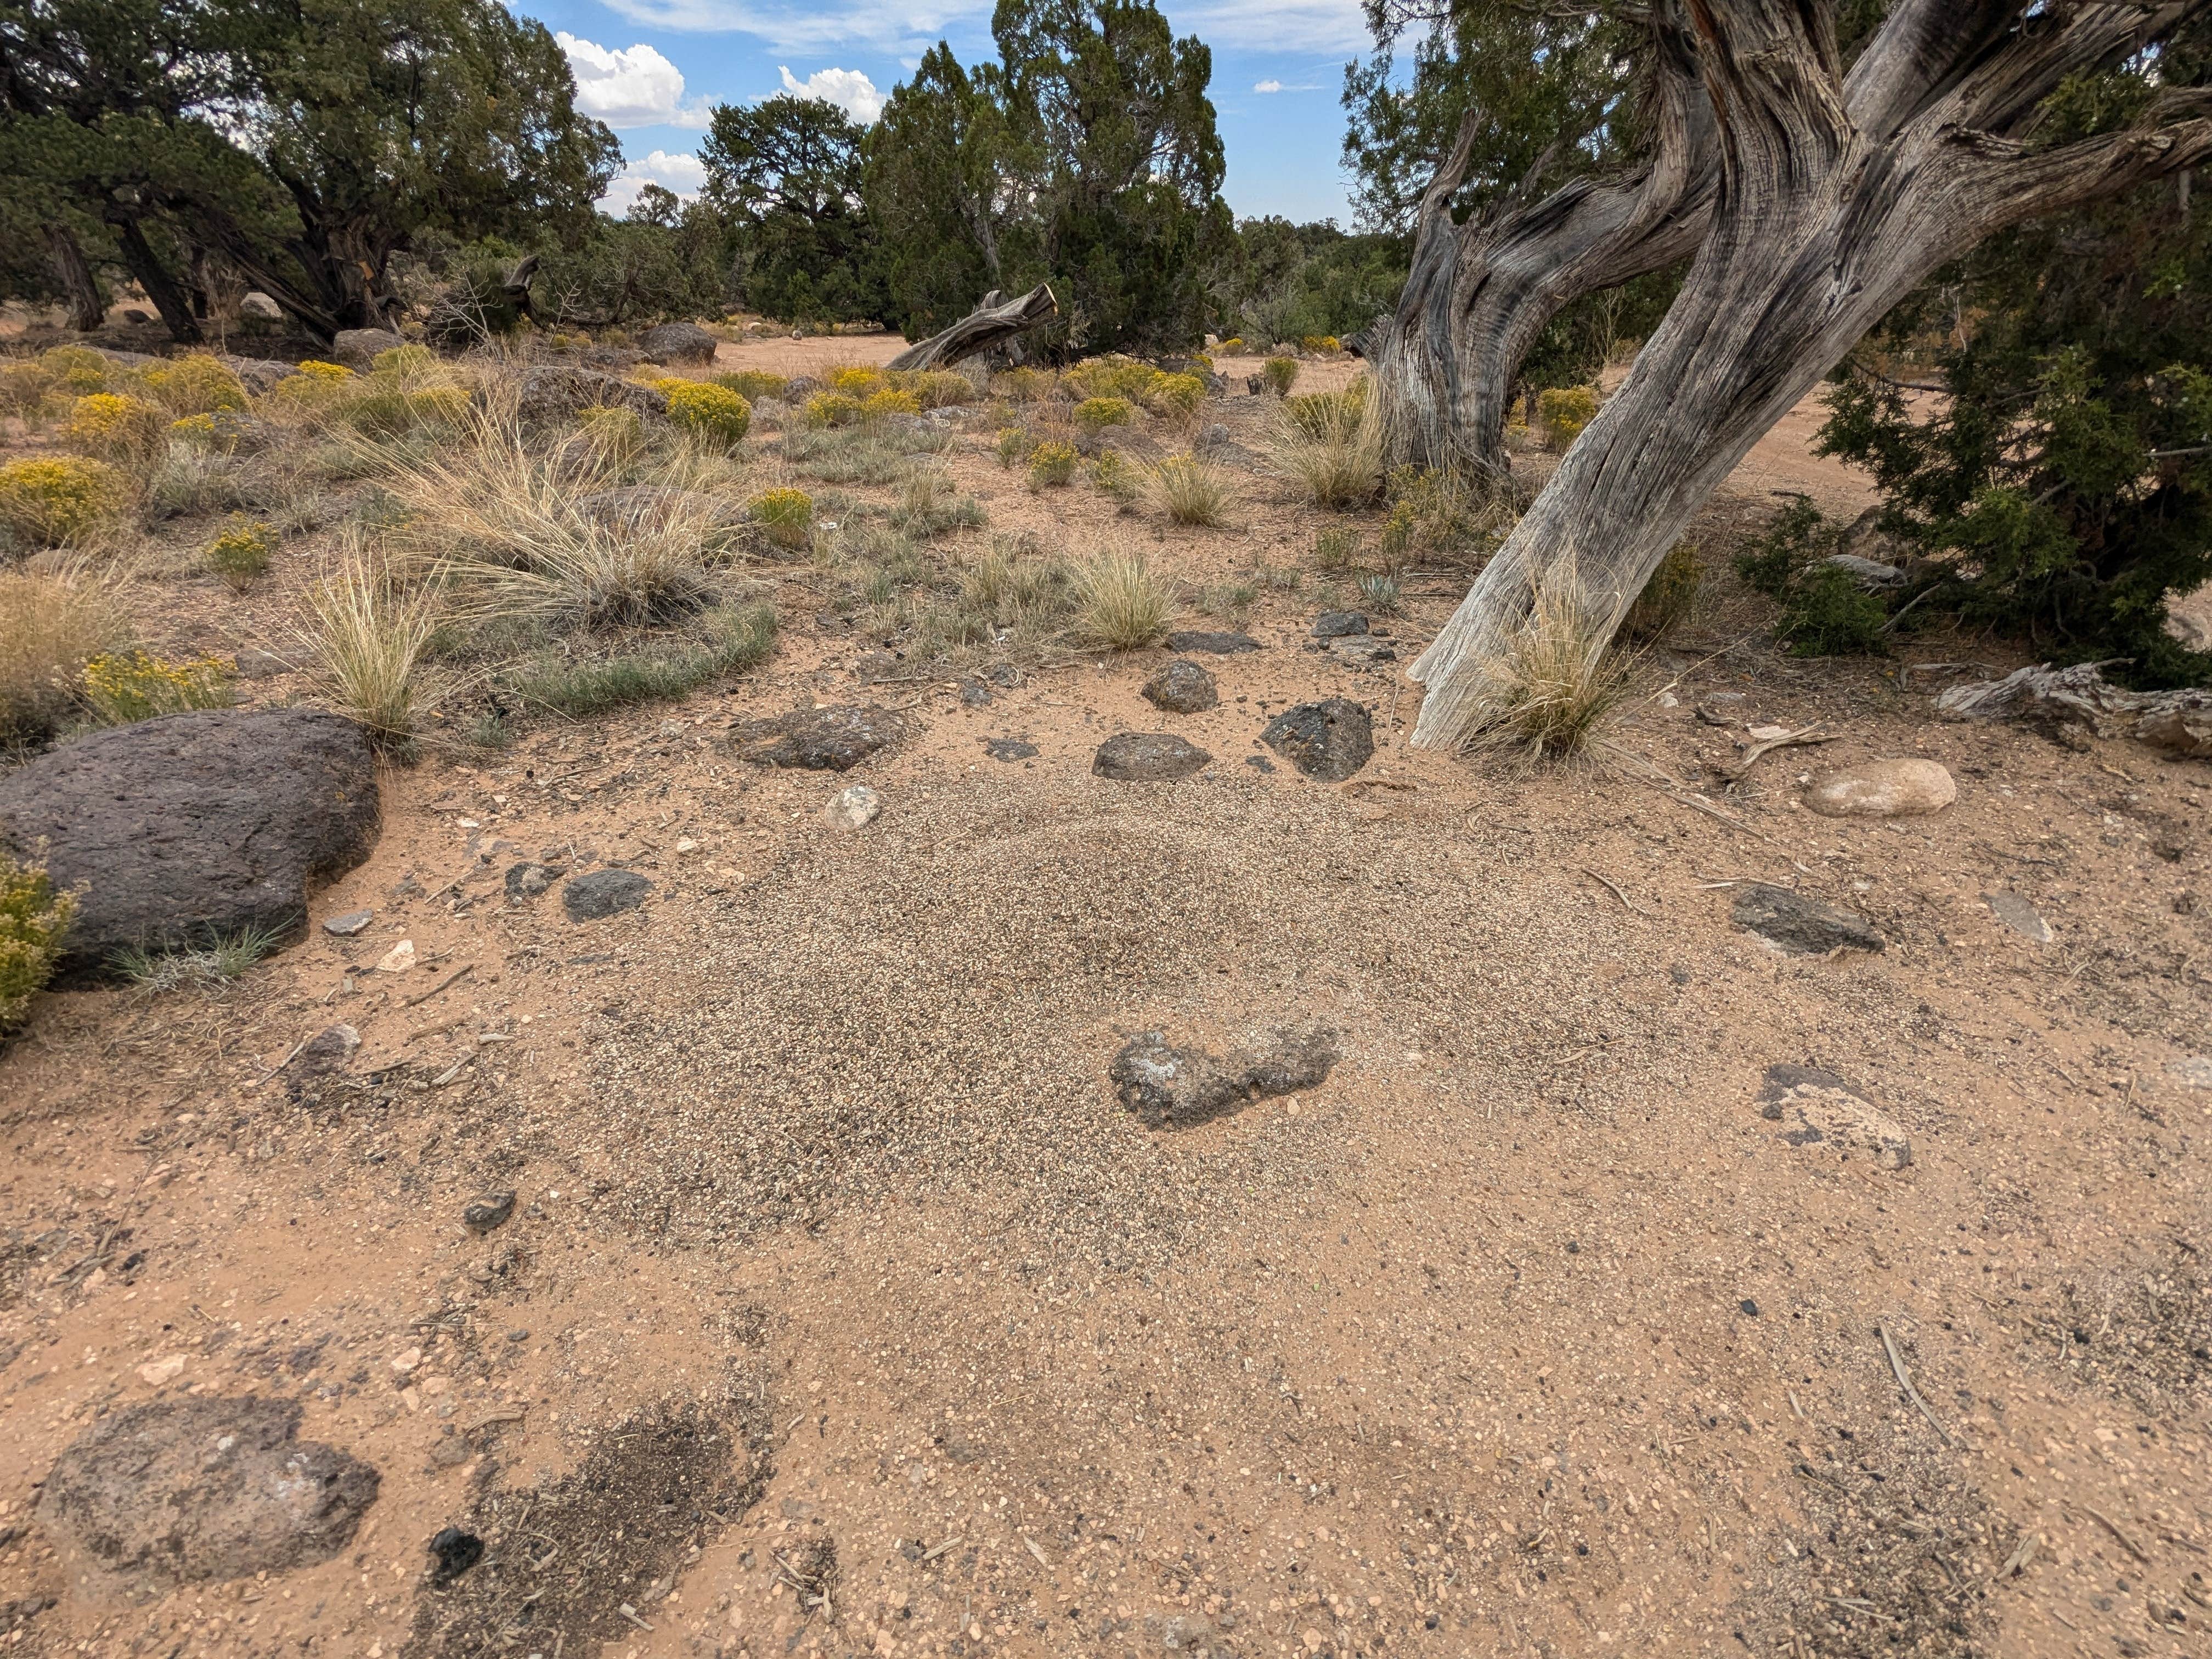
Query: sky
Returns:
{"type": "Point", "coordinates": [651, 69]}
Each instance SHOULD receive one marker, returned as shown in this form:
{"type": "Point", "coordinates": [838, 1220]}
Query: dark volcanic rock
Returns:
{"type": "Point", "coordinates": [1821, 1110]}
{"type": "Point", "coordinates": [552, 394]}
{"type": "Point", "coordinates": [604, 893]}
{"type": "Point", "coordinates": [357, 348]}
{"type": "Point", "coordinates": [818, 739]}
{"type": "Point", "coordinates": [1147, 757]}
{"type": "Point", "coordinates": [1182, 688]}
{"type": "Point", "coordinates": [1803, 926]}
{"type": "Point", "coordinates": [1219, 645]}
{"type": "Point", "coordinates": [194, 825]}
{"type": "Point", "coordinates": [187, 1490]}
{"type": "Point", "coordinates": [1339, 624]}
{"type": "Point", "coordinates": [1327, 740]}
{"type": "Point", "coordinates": [528, 880]}
{"type": "Point", "coordinates": [1009, 749]}
{"type": "Point", "coordinates": [678, 343]}
{"type": "Point", "coordinates": [491, 1211]}
{"type": "Point", "coordinates": [1172, 1087]}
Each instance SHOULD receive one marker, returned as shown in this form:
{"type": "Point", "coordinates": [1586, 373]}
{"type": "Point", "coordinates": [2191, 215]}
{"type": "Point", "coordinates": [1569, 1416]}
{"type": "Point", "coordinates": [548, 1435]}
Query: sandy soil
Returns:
{"type": "Point", "coordinates": [1524, 1333]}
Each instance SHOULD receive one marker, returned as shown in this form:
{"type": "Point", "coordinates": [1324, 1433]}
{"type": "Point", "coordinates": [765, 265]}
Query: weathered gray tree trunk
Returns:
{"type": "Point", "coordinates": [1837, 195]}
{"type": "Point", "coordinates": [74, 272]}
{"type": "Point", "coordinates": [1479, 294]}
{"type": "Point", "coordinates": [992, 323]}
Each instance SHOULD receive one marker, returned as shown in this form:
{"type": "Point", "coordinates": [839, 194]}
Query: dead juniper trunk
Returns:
{"type": "Point", "coordinates": [991, 324]}
{"type": "Point", "coordinates": [1837, 195]}
{"type": "Point", "coordinates": [1479, 294]}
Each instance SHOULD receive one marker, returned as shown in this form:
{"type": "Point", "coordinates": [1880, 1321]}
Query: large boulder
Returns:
{"type": "Point", "coordinates": [678, 343]}
{"type": "Point", "coordinates": [357, 348]}
{"type": "Point", "coordinates": [181, 1490]}
{"type": "Point", "coordinates": [1329, 740]}
{"type": "Point", "coordinates": [193, 826]}
{"type": "Point", "coordinates": [833, 739]}
{"type": "Point", "coordinates": [552, 394]}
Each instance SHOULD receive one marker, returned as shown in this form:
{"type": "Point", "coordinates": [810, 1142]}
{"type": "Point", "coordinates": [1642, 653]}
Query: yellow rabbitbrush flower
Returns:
{"type": "Point", "coordinates": [714, 413]}
{"type": "Point", "coordinates": [878, 406]}
{"type": "Point", "coordinates": [1095, 413]}
{"type": "Point", "coordinates": [33, 920]}
{"type": "Point", "coordinates": [856, 382]}
{"type": "Point", "coordinates": [195, 384]}
{"type": "Point", "coordinates": [46, 503]}
{"type": "Point", "coordinates": [115, 425]}
{"type": "Point", "coordinates": [1051, 463]}
{"type": "Point", "coordinates": [130, 686]}
{"type": "Point", "coordinates": [786, 516]}
{"type": "Point", "coordinates": [754, 384]}
{"type": "Point", "coordinates": [1176, 395]}
{"type": "Point", "coordinates": [241, 552]}
{"type": "Point", "coordinates": [1563, 410]}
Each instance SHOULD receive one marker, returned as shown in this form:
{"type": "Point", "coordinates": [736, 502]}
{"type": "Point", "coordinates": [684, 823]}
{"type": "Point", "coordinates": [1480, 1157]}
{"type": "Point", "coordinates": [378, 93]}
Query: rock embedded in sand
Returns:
{"type": "Point", "coordinates": [1182, 688]}
{"type": "Point", "coordinates": [188, 1489]}
{"type": "Point", "coordinates": [831, 739]}
{"type": "Point", "coordinates": [1819, 1108]}
{"type": "Point", "coordinates": [1339, 624]}
{"type": "Point", "coordinates": [1148, 757]}
{"type": "Point", "coordinates": [529, 880]}
{"type": "Point", "coordinates": [678, 343]}
{"type": "Point", "coordinates": [1171, 1086]}
{"type": "Point", "coordinates": [1213, 643]}
{"type": "Point", "coordinates": [2017, 914]}
{"type": "Point", "coordinates": [347, 925]}
{"type": "Point", "coordinates": [1803, 926]}
{"type": "Point", "coordinates": [489, 1212]}
{"type": "Point", "coordinates": [1882, 789]}
{"type": "Point", "coordinates": [854, 807]}
{"type": "Point", "coordinates": [1009, 749]}
{"type": "Point", "coordinates": [604, 893]}
{"type": "Point", "coordinates": [1328, 740]}
{"type": "Point", "coordinates": [1363, 650]}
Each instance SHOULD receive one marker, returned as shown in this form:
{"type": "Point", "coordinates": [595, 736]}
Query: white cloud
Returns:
{"type": "Point", "coordinates": [630, 87]}
{"type": "Point", "coordinates": [849, 90]}
{"type": "Point", "coordinates": [1266, 85]}
{"type": "Point", "coordinates": [685, 174]}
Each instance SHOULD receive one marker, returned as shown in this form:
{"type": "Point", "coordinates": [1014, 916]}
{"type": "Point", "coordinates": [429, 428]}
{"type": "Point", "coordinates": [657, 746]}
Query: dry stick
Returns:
{"type": "Point", "coordinates": [2113, 1527]}
{"type": "Point", "coordinates": [1758, 751]}
{"type": "Point", "coordinates": [1610, 888]}
{"type": "Point", "coordinates": [424, 996]}
{"type": "Point", "coordinates": [949, 1543]}
{"type": "Point", "coordinates": [1896, 1367]}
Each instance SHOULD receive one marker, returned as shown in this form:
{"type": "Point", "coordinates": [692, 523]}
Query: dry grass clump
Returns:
{"type": "Point", "coordinates": [1555, 681]}
{"type": "Point", "coordinates": [1279, 374]}
{"type": "Point", "coordinates": [1121, 603]}
{"type": "Point", "coordinates": [208, 966]}
{"type": "Point", "coordinates": [33, 921]}
{"type": "Point", "coordinates": [1330, 445]}
{"type": "Point", "coordinates": [53, 623]}
{"type": "Point", "coordinates": [367, 645]}
{"type": "Point", "coordinates": [1186, 489]}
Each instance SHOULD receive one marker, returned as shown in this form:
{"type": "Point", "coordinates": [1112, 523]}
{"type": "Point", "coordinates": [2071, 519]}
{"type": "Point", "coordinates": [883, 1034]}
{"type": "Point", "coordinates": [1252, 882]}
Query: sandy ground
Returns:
{"type": "Point", "coordinates": [1524, 1333]}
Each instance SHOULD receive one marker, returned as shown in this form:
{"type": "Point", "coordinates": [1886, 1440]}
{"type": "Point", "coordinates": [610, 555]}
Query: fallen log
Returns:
{"type": "Point", "coordinates": [2078, 698]}
{"type": "Point", "coordinates": [992, 323]}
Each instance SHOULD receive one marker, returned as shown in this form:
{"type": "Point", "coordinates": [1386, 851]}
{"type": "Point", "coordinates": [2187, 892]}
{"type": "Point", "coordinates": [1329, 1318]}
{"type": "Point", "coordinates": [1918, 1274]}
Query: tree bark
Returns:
{"type": "Point", "coordinates": [74, 272]}
{"type": "Point", "coordinates": [992, 323]}
{"type": "Point", "coordinates": [1479, 294]}
{"type": "Point", "coordinates": [1836, 197]}
{"type": "Point", "coordinates": [163, 289]}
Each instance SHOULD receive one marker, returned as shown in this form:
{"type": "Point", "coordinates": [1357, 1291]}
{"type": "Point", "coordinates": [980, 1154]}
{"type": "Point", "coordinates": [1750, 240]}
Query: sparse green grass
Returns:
{"type": "Point", "coordinates": [929, 506]}
{"type": "Point", "coordinates": [722, 642]}
{"type": "Point", "coordinates": [1336, 548]}
{"type": "Point", "coordinates": [171, 968]}
{"type": "Point", "coordinates": [1378, 593]}
{"type": "Point", "coordinates": [1121, 603]}
{"type": "Point", "coordinates": [861, 455]}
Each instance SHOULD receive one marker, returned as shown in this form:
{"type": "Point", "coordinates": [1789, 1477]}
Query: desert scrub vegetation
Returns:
{"type": "Point", "coordinates": [47, 502]}
{"type": "Point", "coordinates": [1336, 548]}
{"type": "Point", "coordinates": [1562, 412]}
{"type": "Point", "coordinates": [754, 384]}
{"type": "Point", "coordinates": [1434, 515]}
{"type": "Point", "coordinates": [365, 644]}
{"type": "Point", "coordinates": [1122, 602]}
{"type": "Point", "coordinates": [1186, 489]}
{"type": "Point", "coordinates": [196, 383]}
{"type": "Point", "coordinates": [35, 919]}
{"type": "Point", "coordinates": [53, 623]}
{"type": "Point", "coordinates": [1330, 445]}
{"type": "Point", "coordinates": [712, 415]}
{"type": "Point", "coordinates": [1112, 476]}
{"type": "Point", "coordinates": [241, 551]}
{"type": "Point", "coordinates": [1555, 681]}
{"type": "Point", "coordinates": [160, 969]}
{"type": "Point", "coordinates": [115, 425]}
{"type": "Point", "coordinates": [1279, 375]}
{"type": "Point", "coordinates": [723, 640]}
{"type": "Point", "coordinates": [785, 515]}
{"type": "Point", "coordinates": [1668, 597]}
{"type": "Point", "coordinates": [1826, 612]}
{"type": "Point", "coordinates": [1051, 463]}
{"type": "Point", "coordinates": [928, 506]}
{"type": "Point", "coordinates": [1012, 446]}
{"type": "Point", "coordinates": [1096, 414]}
{"type": "Point", "coordinates": [125, 686]}
{"type": "Point", "coordinates": [861, 455]}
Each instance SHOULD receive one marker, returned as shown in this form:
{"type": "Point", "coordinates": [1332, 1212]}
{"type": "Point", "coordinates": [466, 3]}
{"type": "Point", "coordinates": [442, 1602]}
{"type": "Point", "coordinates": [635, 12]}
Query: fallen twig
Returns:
{"type": "Point", "coordinates": [2113, 1527]}
{"type": "Point", "coordinates": [1758, 751]}
{"type": "Point", "coordinates": [630, 1613]}
{"type": "Point", "coordinates": [1897, 1368]}
{"type": "Point", "coordinates": [1610, 888]}
{"type": "Point", "coordinates": [2017, 1562]}
{"type": "Point", "coordinates": [949, 1544]}
{"type": "Point", "coordinates": [466, 968]}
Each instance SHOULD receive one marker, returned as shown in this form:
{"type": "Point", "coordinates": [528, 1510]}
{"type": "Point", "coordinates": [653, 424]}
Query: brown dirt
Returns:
{"type": "Point", "coordinates": [845, 1311]}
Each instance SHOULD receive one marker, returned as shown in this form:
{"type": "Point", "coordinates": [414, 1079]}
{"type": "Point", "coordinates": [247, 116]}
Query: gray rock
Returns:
{"type": "Point", "coordinates": [347, 925]}
{"type": "Point", "coordinates": [1869, 573]}
{"type": "Point", "coordinates": [491, 1211]}
{"type": "Point", "coordinates": [1182, 688]}
{"type": "Point", "coordinates": [254, 663]}
{"type": "Point", "coordinates": [193, 826]}
{"type": "Point", "coordinates": [678, 343]}
{"type": "Point", "coordinates": [261, 308]}
{"type": "Point", "coordinates": [854, 807]}
{"type": "Point", "coordinates": [1008, 749]}
{"type": "Point", "coordinates": [833, 739]}
{"type": "Point", "coordinates": [186, 1490]}
{"type": "Point", "coordinates": [552, 394]}
{"type": "Point", "coordinates": [604, 893]}
{"type": "Point", "coordinates": [1820, 1109]}
{"type": "Point", "coordinates": [2017, 914]}
{"type": "Point", "coordinates": [1148, 757]}
{"type": "Point", "coordinates": [1172, 1087]}
{"type": "Point", "coordinates": [1336, 624]}
{"type": "Point", "coordinates": [528, 880]}
{"type": "Point", "coordinates": [327, 1051]}
{"type": "Point", "coordinates": [1328, 740]}
{"type": "Point", "coordinates": [1882, 789]}
{"type": "Point", "coordinates": [1362, 651]}
{"type": "Point", "coordinates": [259, 376]}
{"type": "Point", "coordinates": [1803, 926]}
{"type": "Point", "coordinates": [356, 347]}
{"type": "Point", "coordinates": [1218, 645]}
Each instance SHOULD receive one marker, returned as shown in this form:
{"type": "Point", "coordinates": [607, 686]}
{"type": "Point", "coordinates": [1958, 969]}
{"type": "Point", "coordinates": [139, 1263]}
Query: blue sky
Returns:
{"type": "Point", "coordinates": [651, 68]}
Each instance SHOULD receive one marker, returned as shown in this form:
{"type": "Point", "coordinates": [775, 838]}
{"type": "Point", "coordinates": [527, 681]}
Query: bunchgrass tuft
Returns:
{"type": "Point", "coordinates": [723, 642]}
{"type": "Point", "coordinates": [1121, 603]}
{"type": "Point", "coordinates": [1554, 682]}
{"type": "Point", "coordinates": [1330, 445]}
{"type": "Point", "coordinates": [1187, 489]}
{"type": "Point", "coordinates": [172, 968]}
{"type": "Point", "coordinates": [366, 644]}
{"type": "Point", "coordinates": [53, 623]}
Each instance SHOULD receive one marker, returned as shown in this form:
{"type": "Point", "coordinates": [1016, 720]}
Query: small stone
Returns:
{"type": "Point", "coordinates": [1213, 644]}
{"type": "Point", "coordinates": [528, 880]}
{"type": "Point", "coordinates": [1173, 1086]}
{"type": "Point", "coordinates": [261, 308]}
{"type": "Point", "coordinates": [833, 739]}
{"type": "Point", "coordinates": [347, 925]}
{"type": "Point", "coordinates": [685, 844]}
{"type": "Point", "coordinates": [1182, 688]}
{"type": "Point", "coordinates": [2017, 914]}
{"type": "Point", "coordinates": [452, 1553]}
{"type": "Point", "coordinates": [1337, 624]}
{"type": "Point", "coordinates": [491, 1211]}
{"type": "Point", "coordinates": [156, 1372]}
{"type": "Point", "coordinates": [1803, 926]}
{"type": "Point", "coordinates": [399, 959]}
{"type": "Point", "coordinates": [854, 807]}
{"type": "Point", "coordinates": [974, 694]}
{"type": "Point", "coordinates": [1882, 789]}
{"type": "Point", "coordinates": [1821, 1108]}
{"type": "Point", "coordinates": [2192, 1072]}
{"type": "Point", "coordinates": [1362, 651]}
{"type": "Point", "coordinates": [326, 1051]}
{"type": "Point", "coordinates": [1328, 740]}
{"type": "Point", "coordinates": [1148, 757]}
{"type": "Point", "coordinates": [255, 664]}
{"type": "Point", "coordinates": [604, 893]}
{"type": "Point", "coordinates": [1009, 749]}
{"type": "Point", "coordinates": [1749, 1307]}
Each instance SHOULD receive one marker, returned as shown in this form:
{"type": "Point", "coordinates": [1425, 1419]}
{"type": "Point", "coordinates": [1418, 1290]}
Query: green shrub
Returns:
{"type": "Point", "coordinates": [1827, 613]}
{"type": "Point", "coordinates": [1095, 414]}
{"type": "Point", "coordinates": [881, 405]}
{"type": "Point", "coordinates": [1112, 474]}
{"type": "Point", "coordinates": [934, 388]}
{"type": "Point", "coordinates": [728, 642]}
{"type": "Point", "coordinates": [1012, 446]}
{"type": "Point", "coordinates": [1051, 462]}
{"type": "Point", "coordinates": [754, 384]}
{"type": "Point", "coordinates": [1279, 374]}
{"type": "Point", "coordinates": [196, 383]}
{"type": "Point", "coordinates": [1796, 537]}
{"type": "Point", "coordinates": [1176, 396]}
{"type": "Point", "coordinates": [1113, 377]}
{"type": "Point", "coordinates": [1336, 548]}
{"type": "Point", "coordinates": [33, 920]}
{"type": "Point", "coordinates": [1563, 410]}
{"type": "Point", "coordinates": [832, 409]}
{"type": "Point", "coordinates": [241, 552]}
